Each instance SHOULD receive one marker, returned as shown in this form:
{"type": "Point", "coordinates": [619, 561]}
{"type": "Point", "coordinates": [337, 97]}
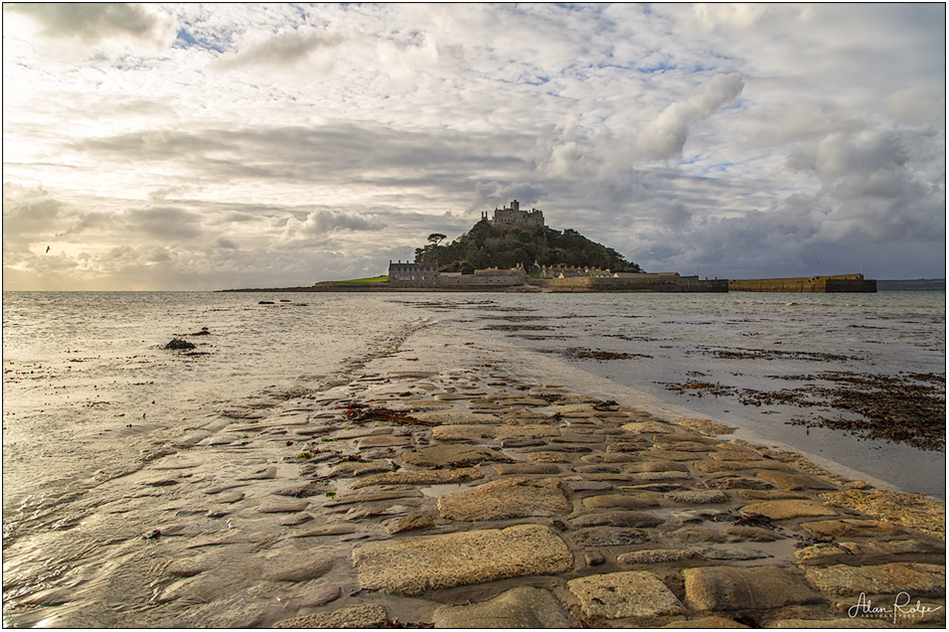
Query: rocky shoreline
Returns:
{"type": "Point", "coordinates": [468, 498]}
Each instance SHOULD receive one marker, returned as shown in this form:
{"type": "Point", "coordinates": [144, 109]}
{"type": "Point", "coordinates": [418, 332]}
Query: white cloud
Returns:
{"type": "Point", "coordinates": [91, 22]}
{"type": "Point", "coordinates": [665, 136]}
{"type": "Point", "coordinates": [272, 144]}
{"type": "Point", "coordinates": [918, 106]}
{"type": "Point", "coordinates": [805, 119]}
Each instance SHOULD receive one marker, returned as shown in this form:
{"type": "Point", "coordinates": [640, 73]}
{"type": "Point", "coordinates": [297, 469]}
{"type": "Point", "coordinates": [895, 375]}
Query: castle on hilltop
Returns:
{"type": "Point", "coordinates": [515, 217]}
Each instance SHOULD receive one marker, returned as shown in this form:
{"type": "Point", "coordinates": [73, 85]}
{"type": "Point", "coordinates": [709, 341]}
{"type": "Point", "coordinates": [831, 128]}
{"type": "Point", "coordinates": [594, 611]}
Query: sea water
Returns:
{"type": "Point", "coordinates": [748, 341]}
{"type": "Point", "coordinates": [91, 395]}
{"type": "Point", "coordinates": [81, 367]}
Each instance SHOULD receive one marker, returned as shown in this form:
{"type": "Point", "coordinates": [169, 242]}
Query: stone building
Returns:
{"type": "Point", "coordinates": [562, 272]}
{"type": "Point", "coordinates": [513, 216]}
{"type": "Point", "coordinates": [485, 277]}
{"type": "Point", "coordinates": [412, 274]}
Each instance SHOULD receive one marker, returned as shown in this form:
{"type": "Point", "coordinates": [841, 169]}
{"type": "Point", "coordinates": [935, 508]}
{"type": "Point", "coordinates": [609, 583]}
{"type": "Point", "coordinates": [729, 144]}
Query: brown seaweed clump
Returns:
{"type": "Point", "coordinates": [906, 408]}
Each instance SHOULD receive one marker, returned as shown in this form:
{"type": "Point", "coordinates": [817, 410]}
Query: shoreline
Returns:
{"type": "Point", "coordinates": [344, 507]}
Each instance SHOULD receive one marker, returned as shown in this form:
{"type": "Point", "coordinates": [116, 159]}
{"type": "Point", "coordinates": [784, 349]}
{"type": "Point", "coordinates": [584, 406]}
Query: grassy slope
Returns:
{"type": "Point", "coordinates": [382, 278]}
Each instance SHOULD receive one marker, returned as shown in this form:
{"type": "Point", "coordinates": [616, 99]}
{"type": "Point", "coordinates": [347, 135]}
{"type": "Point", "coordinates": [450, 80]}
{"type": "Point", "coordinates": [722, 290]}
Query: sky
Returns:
{"type": "Point", "coordinates": [203, 147]}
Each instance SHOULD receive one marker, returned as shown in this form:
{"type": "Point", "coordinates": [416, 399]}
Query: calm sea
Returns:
{"type": "Point", "coordinates": [91, 396]}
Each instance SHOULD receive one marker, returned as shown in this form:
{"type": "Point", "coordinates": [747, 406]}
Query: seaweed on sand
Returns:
{"type": "Point", "coordinates": [357, 413]}
{"type": "Point", "coordinates": [906, 408]}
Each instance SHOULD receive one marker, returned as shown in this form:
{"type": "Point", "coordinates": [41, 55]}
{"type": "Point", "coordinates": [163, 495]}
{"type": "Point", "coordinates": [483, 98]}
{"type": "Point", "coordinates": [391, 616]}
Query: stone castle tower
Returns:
{"type": "Point", "coordinates": [513, 216]}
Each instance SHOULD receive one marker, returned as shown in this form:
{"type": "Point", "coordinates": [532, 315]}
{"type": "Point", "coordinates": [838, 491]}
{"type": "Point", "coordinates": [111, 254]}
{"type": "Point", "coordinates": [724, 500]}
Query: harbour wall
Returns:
{"type": "Point", "coordinates": [815, 284]}
{"type": "Point", "coordinates": [638, 284]}
{"type": "Point", "coordinates": [504, 283]}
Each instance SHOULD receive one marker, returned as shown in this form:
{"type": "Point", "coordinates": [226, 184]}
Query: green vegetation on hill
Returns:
{"type": "Point", "coordinates": [376, 279]}
{"type": "Point", "coordinates": [487, 246]}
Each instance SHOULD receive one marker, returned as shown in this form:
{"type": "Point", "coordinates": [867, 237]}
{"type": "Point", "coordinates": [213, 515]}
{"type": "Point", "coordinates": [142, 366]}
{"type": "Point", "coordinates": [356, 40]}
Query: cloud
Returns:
{"type": "Point", "coordinates": [29, 209]}
{"type": "Point", "coordinates": [496, 195]}
{"type": "Point", "coordinates": [805, 119]}
{"type": "Point", "coordinates": [287, 50]}
{"type": "Point", "coordinates": [89, 21]}
{"type": "Point", "coordinates": [917, 106]}
{"type": "Point", "coordinates": [165, 222]}
{"type": "Point", "coordinates": [665, 136]}
{"type": "Point", "coordinates": [175, 146]}
{"type": "Point", "coordinates": [164, 193]}
{"type": "Point", "coordinates": [321, 224]}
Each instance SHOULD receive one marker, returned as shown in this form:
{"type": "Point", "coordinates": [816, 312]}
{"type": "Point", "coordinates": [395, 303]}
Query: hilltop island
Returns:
{"type": "Point", "coordinates": [515, 251]}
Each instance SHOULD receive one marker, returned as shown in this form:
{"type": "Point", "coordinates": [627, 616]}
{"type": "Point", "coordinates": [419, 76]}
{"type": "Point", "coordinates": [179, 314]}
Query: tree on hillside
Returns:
{"type": "Point", "coordinates": [486, 245]}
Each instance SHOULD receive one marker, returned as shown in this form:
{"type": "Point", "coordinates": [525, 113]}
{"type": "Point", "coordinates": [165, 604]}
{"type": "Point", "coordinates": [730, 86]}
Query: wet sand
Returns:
{"type": "Point", "coordinates": [440, 487]}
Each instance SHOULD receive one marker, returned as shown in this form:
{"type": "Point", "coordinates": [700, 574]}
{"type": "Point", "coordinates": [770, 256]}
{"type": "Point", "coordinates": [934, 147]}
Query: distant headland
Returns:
{"type": "Point", "coordinates": [515, 251]}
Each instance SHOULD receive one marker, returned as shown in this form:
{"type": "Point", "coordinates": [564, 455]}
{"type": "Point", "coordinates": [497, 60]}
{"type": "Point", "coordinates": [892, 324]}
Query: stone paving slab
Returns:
{"type": "Point", "coordinates": [635, 519]}
{"type": "Point", "coordinates": [383, 442]}
{"type": "Point", "coordinates": [925, 580]}
{"type": "Point", "coordinates": [463, 432]}
{"type": "Point", "coordinates": [705, 427]}
{"type": "Point", "coordinates": [522, 607]}
{"type": "Point", "coordinates": [787, 509]}
{"type": "Point", "coordinates": [409, 522]}
{"type": "Point", "coordinates": [655, 556]}
{"type": "Point", "coordinates": [649, 427]}
{"type": "Point", "coordinates": [771, 494]}
{"type": "Point", "coordinates": [668, 475]}
{"type": "Point", "coordinates": [849, 528]}
{"type": "Point", "coordinates": [823, 550]}
{"type": "Point", "coordinates": [791, 481]}
{"type": "Point", "coordinates": [624, 501]}
{"type": "Point", "coordinates": [366, 616]}
{"type": "Point", "coordinates": [624, 594]}
{"type": "Point", "coordinates": [511, 497]}
{"type": "Point", "coordinates": [286, 506]}
{"type": "Point", "coordinates": [705, 623]}
{"type": "Point", "coordinates": [899, 547]}
{"type": "Point", "coordinates": [457, 417]}
{"type": "Point", "coordinates": [609, 536]}
{"type": "Point", "coordinates": [548, 456]}
{"type": "Point", "coordinates": [421, 477]}
{"type": "Point", "coordinates": [698, 497]}
{"type": "Point", "coordinates": [450, 454]}
{"type": "Point", "coordinates": [357, 468]}
{"type": "Point", "coordinates": [413, 565]}
{"type": "Point", "coordinates": [655, 466]}
{"type": "Point", "coordinates": [843, 622]}
{"type": "Point", "coordinates": [525, 468]}
{"type": "Point", "coordinates": [710, 467]}
{"type": "Point", "coordinates": [730, 588]}
{"type": "Point", "coordinates": [351, 499]}
{"type": "Point", "coordinates": [910, 510]}
{"type": "Point", "coordinates": [531, 431]}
